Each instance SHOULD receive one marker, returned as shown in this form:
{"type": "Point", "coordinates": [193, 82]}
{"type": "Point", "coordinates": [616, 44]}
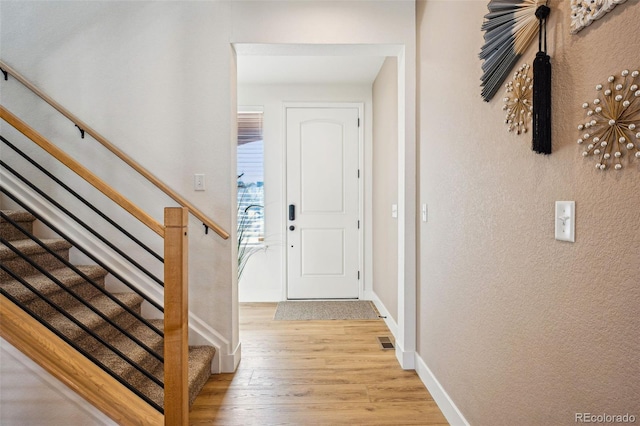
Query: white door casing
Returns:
{"type": "Point", "coordinates": [323, 240]}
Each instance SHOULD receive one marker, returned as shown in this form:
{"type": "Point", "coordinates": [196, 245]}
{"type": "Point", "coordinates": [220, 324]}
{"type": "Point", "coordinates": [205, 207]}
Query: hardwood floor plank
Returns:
{"type": "Point", "coordinates": [412, 413]}
{"type": "Point", "coordinates": [398, 392]}
{"type": "Point", "coordinates": [239, 378]}
{"type": "Point", "coordinates": [327, 376]}
{"type": "Point", "coordinates": [288, 394]}
{"type": "Point", "coordinates": [362, 360]}
{"type": "Point", "coordinates": [282, 362]}
{"type": "Point", "coordinates": [314, 373]}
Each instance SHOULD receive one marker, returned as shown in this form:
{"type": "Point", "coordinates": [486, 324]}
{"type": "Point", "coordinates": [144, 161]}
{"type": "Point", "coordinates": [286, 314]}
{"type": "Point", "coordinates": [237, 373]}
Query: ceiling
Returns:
{"type": "Point", "coordinates": [308, 69]}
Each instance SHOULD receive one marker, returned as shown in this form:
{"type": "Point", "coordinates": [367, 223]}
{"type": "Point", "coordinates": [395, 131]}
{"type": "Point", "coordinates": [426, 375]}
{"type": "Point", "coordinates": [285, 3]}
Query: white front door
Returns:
{"type": "Point", "coordinates": [323, 203]}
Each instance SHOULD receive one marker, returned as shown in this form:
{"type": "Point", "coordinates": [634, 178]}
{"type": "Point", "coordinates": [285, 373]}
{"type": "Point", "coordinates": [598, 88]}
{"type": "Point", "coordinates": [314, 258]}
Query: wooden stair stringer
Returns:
{"type": "Point", "coordinates": [66, 364]}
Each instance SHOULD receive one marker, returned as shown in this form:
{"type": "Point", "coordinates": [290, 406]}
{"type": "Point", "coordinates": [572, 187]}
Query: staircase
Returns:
{"type": "Point", "coordinates": [102, 323]}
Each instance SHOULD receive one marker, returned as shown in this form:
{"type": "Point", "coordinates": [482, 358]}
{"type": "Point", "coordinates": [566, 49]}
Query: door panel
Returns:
{"type": "Point", "coordinates": [322, 252]}
{"type": "Point", "coordinates": [322, 182]}
{"type": "Point", "coordinates": [321, 167]}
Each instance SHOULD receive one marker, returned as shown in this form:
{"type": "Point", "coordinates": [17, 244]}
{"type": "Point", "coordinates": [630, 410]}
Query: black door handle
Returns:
{"type": "Point", "coordinates": [292, 228]}
{"type": "Point", "coordinates": [292, 212]}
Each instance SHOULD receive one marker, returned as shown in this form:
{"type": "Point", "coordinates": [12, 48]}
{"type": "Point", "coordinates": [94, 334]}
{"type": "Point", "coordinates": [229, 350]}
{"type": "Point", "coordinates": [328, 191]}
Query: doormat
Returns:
{"type": "Point", "coordinates": [326, 310]}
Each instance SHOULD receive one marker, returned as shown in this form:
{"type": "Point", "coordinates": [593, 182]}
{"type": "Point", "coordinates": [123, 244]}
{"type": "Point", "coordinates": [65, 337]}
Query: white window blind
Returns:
{"type": "Point", "coordinates": [250, 178]}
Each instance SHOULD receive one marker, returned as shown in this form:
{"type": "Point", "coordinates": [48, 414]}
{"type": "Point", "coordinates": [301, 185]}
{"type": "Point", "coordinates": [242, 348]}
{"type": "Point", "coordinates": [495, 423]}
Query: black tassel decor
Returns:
{"type": "Point", "coordinates": [542, 89]}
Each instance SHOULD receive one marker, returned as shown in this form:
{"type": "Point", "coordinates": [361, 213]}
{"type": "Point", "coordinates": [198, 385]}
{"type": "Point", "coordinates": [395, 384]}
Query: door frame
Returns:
{"type": "Point", "coordinates": [404, 49]}
{"type": "Point", "coordinates": [361, 167]}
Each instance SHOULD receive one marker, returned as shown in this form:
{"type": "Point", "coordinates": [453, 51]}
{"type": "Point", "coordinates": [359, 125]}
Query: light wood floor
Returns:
{"type": "Point", "coordinates": [313, 372]}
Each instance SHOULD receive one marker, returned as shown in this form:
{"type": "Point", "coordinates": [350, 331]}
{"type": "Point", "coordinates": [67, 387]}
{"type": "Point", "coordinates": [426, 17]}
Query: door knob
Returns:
{"type": "Point", "coordinates": [292, 228]}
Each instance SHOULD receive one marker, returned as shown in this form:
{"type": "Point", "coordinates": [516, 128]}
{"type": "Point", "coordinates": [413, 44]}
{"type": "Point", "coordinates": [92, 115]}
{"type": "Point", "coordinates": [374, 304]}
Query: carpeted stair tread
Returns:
{"type": "Point", "coordinates": [120, 366]}
{"type": "Point", "coordinates": [130, 348]}
{"type": "Point", "coordinates": [29, 247]}
{"type": "Point", "coordinates": [199, 365]}
{"type": "Point", "coordinates": [127, 371]}
{"type": "Point", "coordinates": [24, 219]}
{"type": "Point", "coordinates": [46, 286]}
{"type": "Point", "coordinates": [88, 318]}
{"type": "Point", "coordinates": [200, 358]}
{"type": "Point", "coordinates": [37, 254]}
{"type": "Point", "coordinates": [18, 216]}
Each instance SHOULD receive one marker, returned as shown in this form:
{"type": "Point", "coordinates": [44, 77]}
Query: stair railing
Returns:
{"type": "Point", "coordinates": [88, 228]}
{"type": "Point", "coordinates": [85, 128]}
{"type": "Point", "coordinates": [175, 235]}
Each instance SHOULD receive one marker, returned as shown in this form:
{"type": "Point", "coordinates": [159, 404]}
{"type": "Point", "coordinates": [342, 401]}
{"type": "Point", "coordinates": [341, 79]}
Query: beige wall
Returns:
{"type": "Point", "coordinates": [385, 186]}
{"type": "Point", "coordinates": [520, 328]}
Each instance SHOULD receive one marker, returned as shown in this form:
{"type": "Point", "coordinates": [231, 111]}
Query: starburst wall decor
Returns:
{"type": "Point", "coordinates": [612, 129]}
{"type": "Point", "coordinates": [584, 12]}
{"type": "Point", "coordinates": [517, 102]}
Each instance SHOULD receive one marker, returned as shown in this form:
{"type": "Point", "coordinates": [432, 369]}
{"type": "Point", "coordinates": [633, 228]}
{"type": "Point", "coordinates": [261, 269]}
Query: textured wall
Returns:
{"type": "Point", "coordinates": [520, 328]}
{"type": "Point", "coordinates": [385, 186]}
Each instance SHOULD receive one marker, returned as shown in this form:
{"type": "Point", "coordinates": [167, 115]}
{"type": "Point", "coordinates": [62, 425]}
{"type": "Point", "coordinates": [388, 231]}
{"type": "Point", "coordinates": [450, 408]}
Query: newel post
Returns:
{"type": "Point", "coordinates": [176, 311]}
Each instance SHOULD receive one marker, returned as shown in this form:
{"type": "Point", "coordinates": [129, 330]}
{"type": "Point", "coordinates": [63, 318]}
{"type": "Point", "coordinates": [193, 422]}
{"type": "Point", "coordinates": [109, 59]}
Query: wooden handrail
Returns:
{"type": "Point", "coordinates": [81, 171]}
{"type": "Point", "coordinates": [71, 368]}
{"type": "Point", "coordinates": [117, 152]}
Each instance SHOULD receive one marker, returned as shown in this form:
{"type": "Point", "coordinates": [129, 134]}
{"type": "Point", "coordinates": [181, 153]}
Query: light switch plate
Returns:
{"type": "Point", "coordinates": [394, 210]}
{"type": "Point", "coordinates": [566, 221]}
{"type": "Point", "coordinates": [424, 213]}
{"type": "Point", "coordinates": [198, 182]}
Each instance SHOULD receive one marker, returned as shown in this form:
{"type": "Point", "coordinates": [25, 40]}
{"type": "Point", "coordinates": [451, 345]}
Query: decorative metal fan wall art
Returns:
{"type": "Point", "coordinates": [510, 27]}
{"type": "Point", "coordinates": [584, 12]}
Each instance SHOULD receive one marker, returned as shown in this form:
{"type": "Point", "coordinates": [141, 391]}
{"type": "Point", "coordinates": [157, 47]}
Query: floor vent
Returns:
{"type": "Point", "coordinates": [385, 343]}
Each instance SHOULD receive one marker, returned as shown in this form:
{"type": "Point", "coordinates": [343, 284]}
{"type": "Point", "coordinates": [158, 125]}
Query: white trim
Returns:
{"type": "Point", "coordinates": [405, 53]}
{"type": "Point", "coordinates": [361, 195]}
{"type": "Point", "coordinates": [439, 394]}
{"type": "Point", "coordinates": [405, 358]}
{"type": "Point", "coordinates": [9, 350]}
{"type": "Point", "coordinates": [362, 171]}
{"type": "Point", "coordinates": [407, 320]}
{"type": "Point", "coordinates": [320, 49]}
{"type": "Point", "coordinates": [384, 312]}
{"type": "Point", "coordinates": [367, 178]}
{"type": "Point", "coordinates": [200, 333]}
{"type": "Point", "coordinates": [230, 362]}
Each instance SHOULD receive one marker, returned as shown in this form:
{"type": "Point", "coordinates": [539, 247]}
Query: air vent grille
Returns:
{"type": "Point", "coordinates": [385, 343]}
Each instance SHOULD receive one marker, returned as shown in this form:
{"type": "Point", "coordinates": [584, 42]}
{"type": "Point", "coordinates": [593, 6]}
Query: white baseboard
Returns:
{"type": "Point", "coordinates": [388, 319]}
{"type": "Point", "coordinates": [406, 359]}
{"type": "Point", "coordinates": [440, 396]}
{"type": "Point", "coordinates": [229, 363]}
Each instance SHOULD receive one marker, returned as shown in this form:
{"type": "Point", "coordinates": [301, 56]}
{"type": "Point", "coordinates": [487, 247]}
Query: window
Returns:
{"type": "Point", "coordinates": [250, 178]}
